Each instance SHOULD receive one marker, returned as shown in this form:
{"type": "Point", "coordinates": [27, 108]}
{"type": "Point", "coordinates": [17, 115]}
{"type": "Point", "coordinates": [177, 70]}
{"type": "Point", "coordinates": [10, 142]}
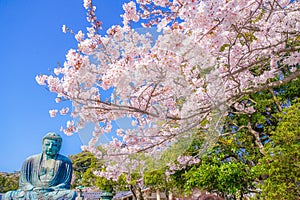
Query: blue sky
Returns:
{"type": "Point", "coordinates": [32, 43]}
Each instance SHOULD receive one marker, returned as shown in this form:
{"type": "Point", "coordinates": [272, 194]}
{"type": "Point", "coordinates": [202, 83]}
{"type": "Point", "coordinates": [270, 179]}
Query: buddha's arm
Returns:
{"type": "Point", "coordinates": [24, 182]}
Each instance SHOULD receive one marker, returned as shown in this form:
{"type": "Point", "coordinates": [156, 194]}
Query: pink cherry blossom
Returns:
{"type": "Point", "coordinates": [71, 128]}
{"type": "Point", "coordinates": [79, 36]}
{"type": "Point", "coordinates": [64, 29]}
{"type": "Point", "coordinates": [86, 3]}
{"type": "Point", "coordinates": [64, 111]}
{"type": "Point", "coordinates": [41, 79]}
{"type": "Point", "coordinates": [53, 112]}
{"type": "Point", "coordinates": [130, 12]}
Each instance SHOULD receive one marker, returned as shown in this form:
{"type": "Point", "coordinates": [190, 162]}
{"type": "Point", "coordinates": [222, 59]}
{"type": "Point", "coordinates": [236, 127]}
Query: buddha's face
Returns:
{"type": "Point", "coordinates": [51, 147]}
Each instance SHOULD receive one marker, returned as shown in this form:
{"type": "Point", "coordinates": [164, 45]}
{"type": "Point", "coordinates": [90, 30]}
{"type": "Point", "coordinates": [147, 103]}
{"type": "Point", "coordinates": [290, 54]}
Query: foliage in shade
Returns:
{"type": "Point", "coordinates": [280, 166]}
{"type": "Point", "coordinates": [9, 182]}
{"type": "Point", "coordinates": [234, 167]}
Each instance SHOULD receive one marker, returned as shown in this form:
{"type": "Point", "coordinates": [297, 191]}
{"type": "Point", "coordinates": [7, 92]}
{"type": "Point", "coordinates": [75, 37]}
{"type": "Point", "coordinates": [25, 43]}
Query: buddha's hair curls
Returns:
{"type": "Point", "coordinates": [53, 136]}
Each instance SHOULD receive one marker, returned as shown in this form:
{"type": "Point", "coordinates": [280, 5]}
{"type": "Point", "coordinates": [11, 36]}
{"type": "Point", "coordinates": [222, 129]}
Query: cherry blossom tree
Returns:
{"type": "Point", "coordinates": [208, 55]}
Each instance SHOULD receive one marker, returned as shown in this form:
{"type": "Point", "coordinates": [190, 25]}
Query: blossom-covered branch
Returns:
{"type": "Point", "coordinates": [207, 56]}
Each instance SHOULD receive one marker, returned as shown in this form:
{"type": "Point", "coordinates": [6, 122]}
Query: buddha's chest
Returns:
{"type": "Point", "coordinates": [47, 170]}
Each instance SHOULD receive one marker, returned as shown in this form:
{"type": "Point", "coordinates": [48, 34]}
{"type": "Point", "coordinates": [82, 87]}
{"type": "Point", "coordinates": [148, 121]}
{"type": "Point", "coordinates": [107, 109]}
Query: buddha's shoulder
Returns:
{"type": "Point", "coordinates": [63, 158]}
{"type": "Point", "coordinates": [33, 157]}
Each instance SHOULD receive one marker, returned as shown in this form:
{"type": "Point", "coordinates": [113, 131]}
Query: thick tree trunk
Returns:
{"type": "Point", "coordinates": [139, 194]}
{"type": "Point", "coordinates": [132, 191]}
{"type": "Point", "coordinates": [136, 192]}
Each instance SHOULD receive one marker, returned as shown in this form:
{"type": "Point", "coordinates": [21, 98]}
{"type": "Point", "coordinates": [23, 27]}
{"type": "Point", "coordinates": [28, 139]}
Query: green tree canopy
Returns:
{"type": "Point", "coordinates": [281, 163]}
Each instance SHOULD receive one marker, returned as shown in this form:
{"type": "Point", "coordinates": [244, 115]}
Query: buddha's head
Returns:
{"type": "Point", "coordinates": [51, 144]}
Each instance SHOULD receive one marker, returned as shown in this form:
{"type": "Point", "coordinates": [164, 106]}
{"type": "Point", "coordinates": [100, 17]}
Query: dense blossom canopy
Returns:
{"type": "Point", "coordinates": [208, 54]}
